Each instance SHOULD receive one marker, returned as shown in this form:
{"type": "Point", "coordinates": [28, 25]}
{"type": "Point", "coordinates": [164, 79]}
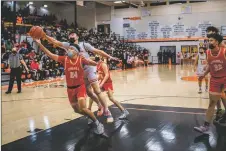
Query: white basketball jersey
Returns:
{"type": "Point", "coordinates": [202, 62]}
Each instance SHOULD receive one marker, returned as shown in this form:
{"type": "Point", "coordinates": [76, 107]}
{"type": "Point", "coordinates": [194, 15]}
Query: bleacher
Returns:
{"type": "Point", "coordinates": [5, 78]}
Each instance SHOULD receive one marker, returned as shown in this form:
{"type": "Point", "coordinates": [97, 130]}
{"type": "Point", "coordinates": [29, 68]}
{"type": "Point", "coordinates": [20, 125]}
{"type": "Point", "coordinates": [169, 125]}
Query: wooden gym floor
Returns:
{"type": "Point", "coordinates": [164, 109]}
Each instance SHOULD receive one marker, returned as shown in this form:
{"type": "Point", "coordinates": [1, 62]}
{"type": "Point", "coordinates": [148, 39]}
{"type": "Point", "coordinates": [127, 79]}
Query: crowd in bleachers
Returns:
{"type": "Point", "coordinates": [41, 67]}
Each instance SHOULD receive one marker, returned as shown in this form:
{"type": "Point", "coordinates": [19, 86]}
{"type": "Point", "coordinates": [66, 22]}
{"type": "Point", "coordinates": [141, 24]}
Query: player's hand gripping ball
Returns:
{"type": "Point", "coordinates": [36, 32]}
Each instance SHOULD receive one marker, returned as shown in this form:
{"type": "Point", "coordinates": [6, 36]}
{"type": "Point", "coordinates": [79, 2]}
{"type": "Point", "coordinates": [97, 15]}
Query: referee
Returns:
{"type": "Point", "coordinates": [15, 60]}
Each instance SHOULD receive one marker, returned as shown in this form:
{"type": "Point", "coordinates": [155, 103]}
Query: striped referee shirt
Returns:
{"type": "Point", "coordinates": [14, 60]}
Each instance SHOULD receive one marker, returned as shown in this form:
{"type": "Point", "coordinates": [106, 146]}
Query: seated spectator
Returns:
{"type": "Point", "coordinates": [35, 70]}
{"type": "Point", "coordinates": [46, 68]}
{"type": "Point", "coordinates": [3, 48]}
{"type": "Point", "coordinates": [9, 45]}
{"type": "Point", "coordinates": [32, 55]}
{"type": "Point", "coordinates": [23, 49]}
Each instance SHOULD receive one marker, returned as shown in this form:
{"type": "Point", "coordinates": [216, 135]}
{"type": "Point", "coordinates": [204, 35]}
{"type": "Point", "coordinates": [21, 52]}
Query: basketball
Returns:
{"type": "Point", "coordinates": [36, 32]}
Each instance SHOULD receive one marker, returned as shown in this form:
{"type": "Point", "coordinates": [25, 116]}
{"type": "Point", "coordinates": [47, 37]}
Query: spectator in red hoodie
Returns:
{"type": "Point", "coordinates": [35, 70]}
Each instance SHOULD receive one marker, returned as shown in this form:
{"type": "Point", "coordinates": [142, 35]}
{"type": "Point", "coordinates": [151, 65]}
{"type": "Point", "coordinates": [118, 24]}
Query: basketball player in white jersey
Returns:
{"type": "Point", "coordinates": [199, 67]}
{"type": "Point", "coordinates": [90, 78]}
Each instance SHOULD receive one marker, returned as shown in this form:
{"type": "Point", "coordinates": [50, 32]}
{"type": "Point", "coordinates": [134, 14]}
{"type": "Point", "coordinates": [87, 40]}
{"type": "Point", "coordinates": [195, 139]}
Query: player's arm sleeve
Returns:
{"type": "Point", "coordinates": [57, 43]}
{"type": "Point", "coordinates": [90, 48]}
{"type": "Point", "coordinates": [88, 61]}
{"type": "Point", "coordinates": [65, 45]}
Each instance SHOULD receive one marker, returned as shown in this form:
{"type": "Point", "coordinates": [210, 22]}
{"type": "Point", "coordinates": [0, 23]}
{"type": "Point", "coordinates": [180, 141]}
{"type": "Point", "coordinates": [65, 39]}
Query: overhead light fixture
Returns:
{"type": "Point", "coordinates": [30, 3]}
{"type": "Point", "coordinates": [117, 2]}
{"type": "Point", "coordinates": [45, 6]}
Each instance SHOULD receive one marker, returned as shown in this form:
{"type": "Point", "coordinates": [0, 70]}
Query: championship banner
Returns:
{"type": "Point", "coordinates": [129, 27]}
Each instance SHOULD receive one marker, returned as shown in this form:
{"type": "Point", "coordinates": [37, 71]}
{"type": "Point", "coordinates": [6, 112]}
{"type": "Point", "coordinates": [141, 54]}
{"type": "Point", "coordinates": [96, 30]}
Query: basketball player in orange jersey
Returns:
{"type": "Point", "coordinates": [107, 85]}
{"type": "Point", "coordinates": [199, 66]}
{"type": "Point", "coordinates": [214, 30]}
{"type": "Point", "coordinates": [74, 73]}
{"type": "Point", "coordinates": [90, 77]}
{"type": "Point", "coordinates": [216, 58]}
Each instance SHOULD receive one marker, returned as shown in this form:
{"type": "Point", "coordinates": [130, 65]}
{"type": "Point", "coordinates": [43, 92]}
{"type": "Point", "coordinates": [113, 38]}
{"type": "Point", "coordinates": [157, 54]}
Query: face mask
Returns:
{"type": "Point", "coordinates": [70, 54]}
{"type": "Point", "coordinates": [201, 52]}
{"type": "Point", "coordinates": [97, 59]}
{"type": "Point", "coordinates": [14, 52]}
{"type": "Point", "coordinates": [211, 46]}
{"type": "Point", "coordinates": [208, 35]}
{"type": "Point", "coordinates": [71, 40]}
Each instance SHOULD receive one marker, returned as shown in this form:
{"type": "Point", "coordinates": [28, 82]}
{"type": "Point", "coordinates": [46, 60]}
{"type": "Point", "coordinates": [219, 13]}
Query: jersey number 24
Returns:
{"type": "Point", "coordinates": [73, 75]}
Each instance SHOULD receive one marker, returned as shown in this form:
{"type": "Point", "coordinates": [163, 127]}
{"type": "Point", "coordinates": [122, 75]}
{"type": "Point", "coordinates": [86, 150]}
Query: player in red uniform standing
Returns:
{"type": "Point", "coordinates": [74, 73]}
{"type": "Point", "coordinates": [107, 85]}
{"type": "Point", "coordinates": [213, 30]}
{"type": "Point", "coordinates": [216, 58]}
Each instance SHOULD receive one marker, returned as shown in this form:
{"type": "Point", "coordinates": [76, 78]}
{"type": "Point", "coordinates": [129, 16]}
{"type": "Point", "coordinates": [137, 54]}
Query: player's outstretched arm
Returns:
{"type": "Point", "coordinates": [55, 42]}
{"type": "Point", "coordinates": [46, 51]}
{"type": "Point", "coordinates": [90, 48]}
{"type": "Point", "coordinates": [106, 73]}
{"type": "Point", "coordinates": [86, 61]}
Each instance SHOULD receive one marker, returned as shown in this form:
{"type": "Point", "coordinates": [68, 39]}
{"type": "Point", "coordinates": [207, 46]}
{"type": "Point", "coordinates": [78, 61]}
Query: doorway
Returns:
{"type": "Point", "coordinates": [104, 28]}
{"type": "Point", "coordinates": [167, 52]}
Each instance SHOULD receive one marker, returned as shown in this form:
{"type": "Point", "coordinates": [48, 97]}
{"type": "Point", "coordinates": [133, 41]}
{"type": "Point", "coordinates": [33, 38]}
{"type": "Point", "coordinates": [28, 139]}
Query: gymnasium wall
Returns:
{"type": "Point", "coordinates": [210, 12]}
{"type": "Point", "coordinates": [154, 47]}
{"type": "Point", "coordinates": [103, 13]}
{"type": "Point", "coordinates": [86, 15]}
{"type": "Point", "coordinates": [214, 12]}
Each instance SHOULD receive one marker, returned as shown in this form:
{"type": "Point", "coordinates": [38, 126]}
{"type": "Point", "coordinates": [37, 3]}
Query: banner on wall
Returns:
{"type": "Point", "coordinates": [142, 35]}
{"type": "Point", "coordinates": [223, 30]}
{"type": "Point", "coordinates": [186, 9]}
{"type": "Point", "coordinates": [202, 27]}
{"type": "Point", "coordinates": [129, 27]}
{"type": "Point", "coordinates": [154, 29]}
{"type": "Point", "coordinates": [178, 30]}
{"type": "Point", "coordinates": [166, 31]}
{"type": "Point", "coordinates": [192, 31]}
{"type": "Point", "coordinates": [130, 33]}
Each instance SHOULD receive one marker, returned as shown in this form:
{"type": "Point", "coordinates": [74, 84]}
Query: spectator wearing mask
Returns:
{"type": "Point", "coordinates": [23, 49]}
{"type": "Point", "coordinates": [35, 69]}
{"type": "Point", "coordinates": [15, 60]}
{"type": "Point", "coordinates": [32, 55]}
{"type": "Point", "coordinates": [46, 68]}
{"type": "Point", "coordinates": [9, 45]}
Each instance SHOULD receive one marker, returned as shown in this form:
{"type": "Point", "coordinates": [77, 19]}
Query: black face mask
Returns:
{"type": "Point", "coordinates": [208, 35]}
{"type": "Point", "coordinates": [14, 52]}
{"type": "Point", "coordinates": [97, 59]}
{"type": "Point", "coordinates": [211, 46]}
{"type": "Point", "coordinates": [201, 52]}
{"type": "Point", "coordinates": [71, 40]}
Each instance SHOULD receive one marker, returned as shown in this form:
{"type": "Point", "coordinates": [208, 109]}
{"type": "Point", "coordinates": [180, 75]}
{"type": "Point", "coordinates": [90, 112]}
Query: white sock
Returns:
{"type": "Point", "coordinates": [96, 122]}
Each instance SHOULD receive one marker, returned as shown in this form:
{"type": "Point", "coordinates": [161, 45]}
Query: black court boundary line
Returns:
{"type": "Point", "coordinates": [112, 106]}
{"type": "Point", "coordinates": [148, 96]}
